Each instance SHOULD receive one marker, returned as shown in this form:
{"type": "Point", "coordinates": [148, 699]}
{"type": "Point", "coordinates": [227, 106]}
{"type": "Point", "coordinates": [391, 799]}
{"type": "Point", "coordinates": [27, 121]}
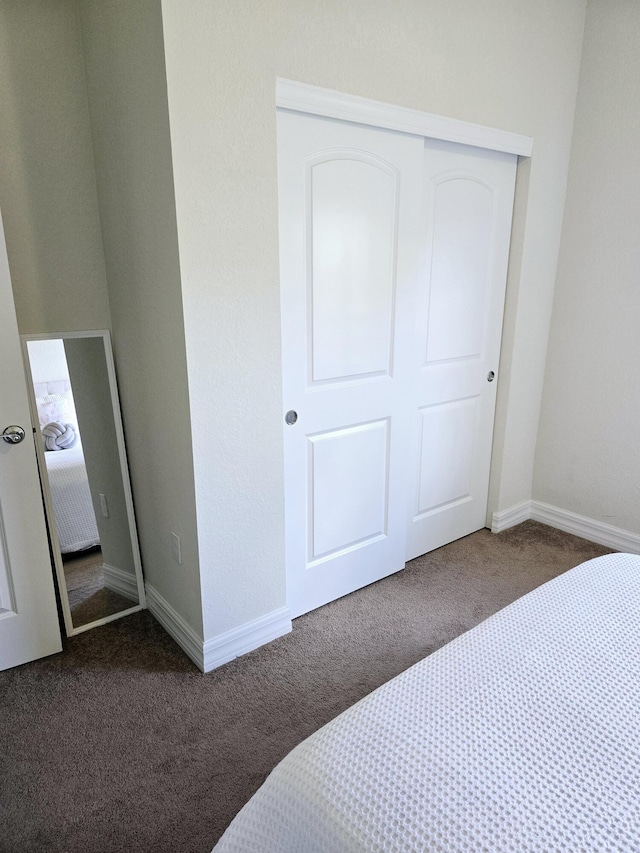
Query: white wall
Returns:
{"type": "Point", "coordinates": [55, 229]}
{"type": "Point", "coordinates": [124, 56]}
{"type": "Point", "coordinates": [588, 456]}
{"type": "Point", "coordinates": [512, 65]}
{"type": "Point", "coordinates": [47, 360]}
{"type": "Point", "coordinates": [47, 181]}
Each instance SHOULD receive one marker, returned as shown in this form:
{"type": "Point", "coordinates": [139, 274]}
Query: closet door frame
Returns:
{"type": "Point", "coordinates": [328, 103]}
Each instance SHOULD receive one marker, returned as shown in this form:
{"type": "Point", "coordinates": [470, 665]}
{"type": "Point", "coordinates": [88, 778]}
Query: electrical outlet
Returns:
{"type": "Point", "coordinates": [104, 506]}
{"type": "Point", "coordinates": [176, 548]}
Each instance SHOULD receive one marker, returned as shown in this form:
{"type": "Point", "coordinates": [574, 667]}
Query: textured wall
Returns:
{"type": "Point", "coordinates": [513, 65]}
{"type": "Point", "coordinates": [124, 56]}
{"type": "Point", "coordinates": [588, 456]}
{"type": "Point", "coordinates": [47, 181]}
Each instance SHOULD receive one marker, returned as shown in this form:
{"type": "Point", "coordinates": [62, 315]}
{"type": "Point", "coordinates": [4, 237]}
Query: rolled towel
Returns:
{"type": "Point", "coordinates": [59, 436]}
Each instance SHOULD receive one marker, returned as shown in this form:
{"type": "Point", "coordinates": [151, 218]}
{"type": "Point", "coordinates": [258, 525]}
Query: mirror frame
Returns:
{"type": "Point", "coordinates": [70, 629]}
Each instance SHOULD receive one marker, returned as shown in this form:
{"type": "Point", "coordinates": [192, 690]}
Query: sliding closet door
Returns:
{"type": "Point", "coordinates": [349, 253]}
{"type": "Point", "coordinates": [466, 228]}
{"type": "Point", "coordinates": [393, 254]}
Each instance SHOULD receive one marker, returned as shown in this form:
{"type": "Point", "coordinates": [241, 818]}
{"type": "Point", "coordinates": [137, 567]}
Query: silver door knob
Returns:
{"type": "Point", "coordinates": [490, 376]}
{"type": "Point", "coordinates": [13, 434]}
{"type": "Point", "coordinates": [291, 417]}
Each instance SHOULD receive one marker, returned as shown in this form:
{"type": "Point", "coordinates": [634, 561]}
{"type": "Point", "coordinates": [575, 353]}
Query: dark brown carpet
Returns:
{"type": "Point", "coordinates": [120, 744]}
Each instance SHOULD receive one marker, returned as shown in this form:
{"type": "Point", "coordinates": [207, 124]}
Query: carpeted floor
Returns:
{"type": "Point", "coordinates": [120, 744]}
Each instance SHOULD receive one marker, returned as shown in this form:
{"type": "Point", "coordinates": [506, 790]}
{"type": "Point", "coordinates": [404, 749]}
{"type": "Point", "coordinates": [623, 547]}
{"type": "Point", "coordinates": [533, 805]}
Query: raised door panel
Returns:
{"type": "Point", "coordinates": [447, 441]}
{"type": "Point", "coordinates": [460, 279]}
{"type": "Point", "coordinates": [7, 600]}
{"type": "Point", "coordinates": [352, 234]}
{"type": "Point", "coordinates": [349, 476]}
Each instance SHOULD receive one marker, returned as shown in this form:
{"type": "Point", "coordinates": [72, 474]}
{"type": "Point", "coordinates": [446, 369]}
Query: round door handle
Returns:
{"type": "Point", "coordinates": [13, 434]}
{"type": "Point", "coordinates": [490, 376]}
{"type": "Point", "coordinates": [291, 417]}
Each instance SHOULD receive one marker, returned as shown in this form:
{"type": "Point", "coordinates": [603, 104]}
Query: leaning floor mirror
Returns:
{"type": "Point", "coordinates": [84, 475]}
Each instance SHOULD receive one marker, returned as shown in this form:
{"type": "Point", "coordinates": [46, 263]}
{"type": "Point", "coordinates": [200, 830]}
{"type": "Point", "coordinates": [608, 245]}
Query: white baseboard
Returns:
{"type": "Point", "coordinates": [124, 583]}
{"type": "Point", "coordinates": [595, 531]}
{"type": "Point", "coordinates": [510, 517]}
{"type": "Point", "coordinates": [225, 647]}
{"type": "Point", "coordinates": [588, 528]}
{"type": "Point", "coordinates": [175, 626]}
{"type": "Point", "coordinates": [239, 641]}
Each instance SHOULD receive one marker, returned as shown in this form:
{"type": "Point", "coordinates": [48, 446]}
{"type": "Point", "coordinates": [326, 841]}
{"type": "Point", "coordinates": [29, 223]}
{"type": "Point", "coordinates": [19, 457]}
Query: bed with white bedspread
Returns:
{"type": "Point", "coordinates": [522, 734]}
{"type": "Point", "coordinates": [66, 469]}
{"type": "Point", "coordinates": [71, 497]}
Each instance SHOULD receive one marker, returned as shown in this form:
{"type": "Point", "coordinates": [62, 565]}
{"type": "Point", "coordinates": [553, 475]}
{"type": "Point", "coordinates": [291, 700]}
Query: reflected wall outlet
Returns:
{"type": "Point", "coordinates": [104, 506]}
{"type": "Point", "coordinates": [175, 548]}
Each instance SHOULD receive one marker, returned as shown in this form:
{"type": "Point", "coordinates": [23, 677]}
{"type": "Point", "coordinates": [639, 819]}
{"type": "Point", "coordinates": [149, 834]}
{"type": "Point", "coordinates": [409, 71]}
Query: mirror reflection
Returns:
{"type": "Point", "coordinates": [84, 475]}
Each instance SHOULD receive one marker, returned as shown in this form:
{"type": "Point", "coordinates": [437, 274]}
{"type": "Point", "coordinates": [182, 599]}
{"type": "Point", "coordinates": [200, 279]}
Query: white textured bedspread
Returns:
{"type": "Point", "coordinates": [71, 496]}
{"type": "Point", "coordinates": [521, 735]}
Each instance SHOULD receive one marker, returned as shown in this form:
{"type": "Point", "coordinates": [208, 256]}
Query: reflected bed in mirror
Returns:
{"type": "Point", "coordinates": [85, 480]}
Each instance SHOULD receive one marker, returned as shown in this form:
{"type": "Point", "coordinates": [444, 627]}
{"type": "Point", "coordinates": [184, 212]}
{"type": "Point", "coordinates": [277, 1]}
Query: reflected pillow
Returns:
{"type": "Point", "coordinates": [57, 436]}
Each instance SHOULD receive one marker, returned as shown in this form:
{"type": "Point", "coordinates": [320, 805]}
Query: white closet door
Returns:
{"type": "Point", "coordinates": [29, 627]}
{"type": "Point", "coordinates": [468, 203]}
{"type": "Point", "coordinates": [349, 239]}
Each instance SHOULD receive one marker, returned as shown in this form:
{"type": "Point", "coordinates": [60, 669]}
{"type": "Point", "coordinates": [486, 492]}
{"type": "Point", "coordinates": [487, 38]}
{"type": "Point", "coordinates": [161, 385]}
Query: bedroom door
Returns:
{"type": "Point", "coordinates": [29, 627]}
{"type": "Point", "coordinates": [349, 232]}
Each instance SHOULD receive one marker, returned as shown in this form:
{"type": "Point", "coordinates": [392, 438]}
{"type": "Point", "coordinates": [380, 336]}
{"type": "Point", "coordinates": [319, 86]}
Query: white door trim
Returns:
{"type": "Point", "coordinates": [304, 98]}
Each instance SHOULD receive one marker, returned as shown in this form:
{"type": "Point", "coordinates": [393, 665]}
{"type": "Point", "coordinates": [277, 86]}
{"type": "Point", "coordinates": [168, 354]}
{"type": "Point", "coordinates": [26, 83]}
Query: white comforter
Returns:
{"type": "Point", "coordinates": [521, 735]}
{"type": "Point", "coordinates": [73, 508]}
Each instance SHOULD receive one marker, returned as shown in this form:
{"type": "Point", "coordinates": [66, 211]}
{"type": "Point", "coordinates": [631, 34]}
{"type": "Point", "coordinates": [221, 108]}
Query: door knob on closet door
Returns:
{"type": "Point", "coordinates": [291, 417]}
{"type": "Point", "coordinates": [13, 434]}
{"type": "Point", "coordinates": [490, 376]}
